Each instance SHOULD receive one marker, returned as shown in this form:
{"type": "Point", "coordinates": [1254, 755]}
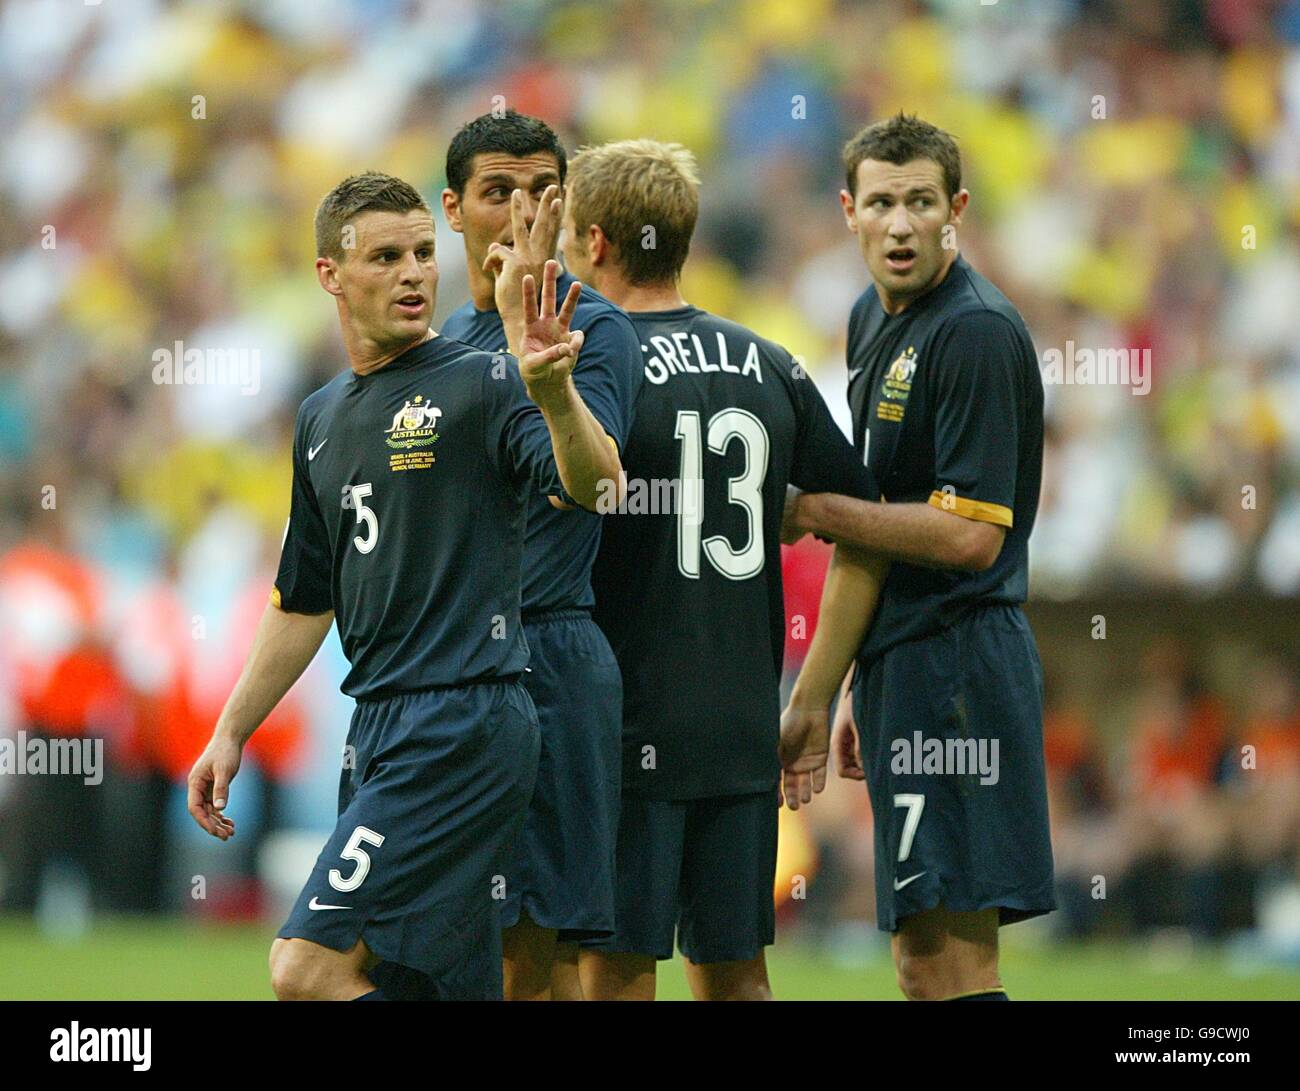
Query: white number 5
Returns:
{"type": "Point", "coordinates": [353, 851]}
{"type": "Point", "coordinates": [365, 515]}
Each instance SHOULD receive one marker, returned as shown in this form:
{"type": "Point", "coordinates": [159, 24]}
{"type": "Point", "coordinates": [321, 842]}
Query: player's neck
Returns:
{"type": "Point", "coordinates": [366, 357]}
{"type": "Point", "coordinates": [896, 305]}
{"type": "Point", "coordinates": [640, 297]}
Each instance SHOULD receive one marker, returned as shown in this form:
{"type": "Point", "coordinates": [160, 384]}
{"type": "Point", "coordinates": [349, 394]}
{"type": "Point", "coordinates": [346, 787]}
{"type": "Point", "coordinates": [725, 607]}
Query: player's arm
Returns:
{"type": "Point", "coordinates": [586, 458]}
{"type": "Point", "coordinates": [288, 635]}
{"type": "Point", "coordinates": [975, 388]}
{"type": "Point", "coordinates": [923, 534]}
{"type": "Point", "coordinates": [282, 647]}
{"type": "Point", "coordinates": [849, 598]}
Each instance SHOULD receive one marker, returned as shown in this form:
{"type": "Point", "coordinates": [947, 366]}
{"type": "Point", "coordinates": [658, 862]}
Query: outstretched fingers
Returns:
{"type": "Point", "coordinates": [545, 223]}
{"type": "Point", "coordinates": [549, 274]}
{"type": "Point", "coordinates": [570, 303]}
{"type": "Point", "coordinates": [518, 228]}
{"type": "Point", "coordinates": [530, 300]}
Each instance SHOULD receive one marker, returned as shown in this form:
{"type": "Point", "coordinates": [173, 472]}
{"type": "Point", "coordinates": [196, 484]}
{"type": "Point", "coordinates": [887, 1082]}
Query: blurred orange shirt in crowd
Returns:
{"type": "Point", "coordinates": [1178, 752]}
{"type": "Point", "coordinates": [66, 678]}
{"type": "Point", "coordinates": [1277, 745]}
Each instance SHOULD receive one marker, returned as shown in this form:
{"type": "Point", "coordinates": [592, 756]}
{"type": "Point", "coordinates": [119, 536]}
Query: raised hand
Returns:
{"type": "Point", "coordinates": [547, 350]}
{"type": "Point", "coordinates": [529, 252]}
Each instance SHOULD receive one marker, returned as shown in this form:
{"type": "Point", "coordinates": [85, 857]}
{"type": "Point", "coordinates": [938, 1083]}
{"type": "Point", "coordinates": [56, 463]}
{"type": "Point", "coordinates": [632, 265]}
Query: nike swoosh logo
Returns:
{"type": "Point", "coordinates": [312, 452]}
{"type": "Point", "coordinates": [911, 879]}
{"type": "Point", "coordinates": [315, 904]}
{"type": "Point", "coordinates": [854, 373]}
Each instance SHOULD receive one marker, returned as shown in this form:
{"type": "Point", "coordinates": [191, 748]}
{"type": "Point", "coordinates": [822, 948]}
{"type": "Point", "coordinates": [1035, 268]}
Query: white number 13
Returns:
{"type": "Point", "coordinates": [745, 490]}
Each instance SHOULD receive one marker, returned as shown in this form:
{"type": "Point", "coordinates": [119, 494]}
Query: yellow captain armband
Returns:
{"type": "Point", "coordinates": [978, 510]}
{"type": "Point", "coordinates": [275, 598]}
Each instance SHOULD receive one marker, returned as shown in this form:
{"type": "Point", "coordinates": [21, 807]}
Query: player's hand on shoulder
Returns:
{"type": "Point", "coordinates": [548, 350]}
{"type": "Point", "coordinates": [209, 785]}
{"type": "Point", "coordinates": [805, 746]}
{"type": "Point", "coordinates": [845, 744]}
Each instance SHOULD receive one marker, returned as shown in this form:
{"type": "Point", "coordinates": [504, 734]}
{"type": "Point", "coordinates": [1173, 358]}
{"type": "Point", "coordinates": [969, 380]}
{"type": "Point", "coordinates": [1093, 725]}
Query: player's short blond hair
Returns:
{"type": "Point", "coordinates": [645, 196]}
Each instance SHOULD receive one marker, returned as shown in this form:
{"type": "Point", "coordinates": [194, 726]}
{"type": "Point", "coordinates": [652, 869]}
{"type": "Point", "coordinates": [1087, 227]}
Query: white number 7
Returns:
{"type": "Point", "coordinates": [915, 804]}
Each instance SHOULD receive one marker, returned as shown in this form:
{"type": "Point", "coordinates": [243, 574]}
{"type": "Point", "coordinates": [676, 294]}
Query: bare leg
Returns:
{"type": "Point", "coordinates": [302, 970]}
{"type": "Point", "coordinates": [940, 955]}
{"type": "Point", "coordinates": [729, 980]}
{"type": "Point", "coordinates": [617, 976]}
{"type": "Point", "coordinates": [566, 983]}
{"type": "Point", "coordinates": [529, 953]}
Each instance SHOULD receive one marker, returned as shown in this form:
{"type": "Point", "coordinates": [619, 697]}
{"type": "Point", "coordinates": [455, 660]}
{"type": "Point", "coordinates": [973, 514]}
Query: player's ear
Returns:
{"type": "Point", "coordinates": [327, 272]}
{"type": "Point", "coordinates": [597, 244]}
{"type": "Point", "coordinates": [451, 209]}
{"type": "Point", "coordinates": [959, 203]}
{"type": "Point", "coordinates": [846, 203]}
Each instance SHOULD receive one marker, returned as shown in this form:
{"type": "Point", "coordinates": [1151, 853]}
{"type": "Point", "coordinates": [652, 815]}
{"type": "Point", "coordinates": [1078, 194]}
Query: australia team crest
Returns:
{"type": "Point", "coordinates": [897, 386]}
{"type": "Point", "coordinates": [414, 425]}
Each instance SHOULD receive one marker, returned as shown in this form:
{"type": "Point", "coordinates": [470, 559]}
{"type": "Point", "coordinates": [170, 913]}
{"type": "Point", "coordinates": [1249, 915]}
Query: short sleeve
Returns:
{"type": "Point", "coordinates": [824, 460]}
{"type": "Point", "coordinates": [303, 581]}
{"type": "Point", "coordinates": [515, 433]}
{"type": "Point", "coordinates": [609, 371]}
{"type": "Point", "coordinates": [977, 419]}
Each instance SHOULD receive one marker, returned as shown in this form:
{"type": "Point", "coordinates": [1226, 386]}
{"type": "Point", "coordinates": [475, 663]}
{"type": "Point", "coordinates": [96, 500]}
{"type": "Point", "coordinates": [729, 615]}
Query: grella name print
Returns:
{"type": "Point", "coordinates": [684, 354]}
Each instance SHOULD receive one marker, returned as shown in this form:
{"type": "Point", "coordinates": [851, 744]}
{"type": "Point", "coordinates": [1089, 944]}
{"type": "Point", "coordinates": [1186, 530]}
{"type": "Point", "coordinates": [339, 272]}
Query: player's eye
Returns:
{"type": "Point", "coordinates": [879, 202]}
{"type": "Point", "coordinates": [922, 202]}
{"type": "Point", "coordinates": [424, 253]}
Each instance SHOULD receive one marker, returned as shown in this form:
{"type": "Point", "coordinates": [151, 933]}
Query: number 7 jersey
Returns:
{"type": "Point", "coordinates": [688, 577]}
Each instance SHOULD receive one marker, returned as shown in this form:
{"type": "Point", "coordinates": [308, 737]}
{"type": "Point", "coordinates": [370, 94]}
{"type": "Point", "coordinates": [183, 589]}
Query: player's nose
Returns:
{"type": "Point", "coordinates": [410, 271]}
{"type": "Point", "coordinates": [900, 226]}
{"type": "Point", "coordinates": [530, 209]}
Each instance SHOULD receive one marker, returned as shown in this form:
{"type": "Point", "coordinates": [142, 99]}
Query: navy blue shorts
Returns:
{"type": "Point", "coordinates": [702, 868]}
{"type": "Point", "coordinates": [951, 728]}
{"type": "Point", "coordinates": [561, 872]}
{"type": "Point", "coordinates": [433, 791]}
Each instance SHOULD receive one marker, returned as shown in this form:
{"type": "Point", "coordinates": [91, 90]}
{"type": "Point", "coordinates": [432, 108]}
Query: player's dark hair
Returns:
{"type": "Point", "coordinates": [368, 192]}
{"type": "Point", "coordinates": [900, 140]}
{"type": "Point", "coordinates": [512, 133]}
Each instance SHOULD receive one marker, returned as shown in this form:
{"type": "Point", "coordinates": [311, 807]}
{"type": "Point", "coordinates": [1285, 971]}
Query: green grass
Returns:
{"type": "Point", "coordinates": [172, 959]}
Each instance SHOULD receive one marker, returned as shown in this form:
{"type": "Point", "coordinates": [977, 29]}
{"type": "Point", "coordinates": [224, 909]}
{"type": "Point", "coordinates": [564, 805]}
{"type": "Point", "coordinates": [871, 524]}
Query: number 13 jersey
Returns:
{"type": "Point", "coordinates": [688, 577]}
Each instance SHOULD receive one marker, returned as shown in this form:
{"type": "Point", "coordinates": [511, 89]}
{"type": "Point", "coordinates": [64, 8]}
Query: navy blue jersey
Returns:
{"type": "Point", "coordinates": [407, 516]}
{"type": "Point", "coordinates": [947, 407]}
{"type": "Point", "coordinates": [688, 579]}
{"type": "Point", "coordinates": [560, 546]}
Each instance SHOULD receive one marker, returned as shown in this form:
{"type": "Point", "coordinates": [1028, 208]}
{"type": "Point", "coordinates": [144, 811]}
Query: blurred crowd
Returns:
{"type": "Point", "coordinates": [1135, 171]}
